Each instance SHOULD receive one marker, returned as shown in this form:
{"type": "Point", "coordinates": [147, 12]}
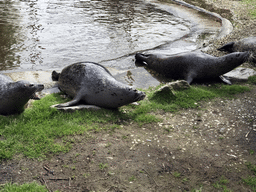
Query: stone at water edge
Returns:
{"type": "Point", "coordinates": [240, 74]}
{"type": "Point", "coordinates": [174, 86]}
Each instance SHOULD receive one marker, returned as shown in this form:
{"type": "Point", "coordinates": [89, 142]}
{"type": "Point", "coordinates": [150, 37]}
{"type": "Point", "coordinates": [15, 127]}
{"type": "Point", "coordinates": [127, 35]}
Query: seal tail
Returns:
{"type": "Point", "coordinates": [55, 76]}
{"type": "Point", "coordinates": [227, 47]}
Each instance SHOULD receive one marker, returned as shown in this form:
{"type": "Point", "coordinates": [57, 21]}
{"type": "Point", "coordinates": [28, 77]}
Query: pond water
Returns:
{"type": "Point", "coordinates": [46, 34]}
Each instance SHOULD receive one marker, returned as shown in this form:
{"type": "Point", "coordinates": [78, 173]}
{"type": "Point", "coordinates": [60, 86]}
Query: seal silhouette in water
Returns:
{"type": "Point", "coordinates": [93, 84]}
{"type": "Point", "coordinates": [14, 95]}
{"type": "Point", "coordinates": [246, 44]}
{"type": "Point", "coordinates": [193, 65]}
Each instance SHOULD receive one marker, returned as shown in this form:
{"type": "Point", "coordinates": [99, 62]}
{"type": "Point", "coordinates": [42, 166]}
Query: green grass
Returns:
{"type": "Point", "coordinates": [252, 7]}
{"type": "Point", "coordinates": [251, 180]}
{"type": "Point", "coordinates": [27, 187]}
{"type": "Point", "coordinates": [176, 174]}
{"type": "Point", "coordinates": [40, 130]}
{"type": "Point", "coordinates": [221, 184]}
{"type": "Point", "coordinates": [102, 166]}
{"type": "Point", "coordinates": [252, 79]}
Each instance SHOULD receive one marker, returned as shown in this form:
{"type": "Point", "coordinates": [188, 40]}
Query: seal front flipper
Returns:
{"type": "Point", "coordinates": [74, 101]}
{"type": "Point", "coordinates": [227, 47]}
{"type": "Point", "coordinates": [225, 80]}
{"type": "Point", "coordinates": [190, 77]}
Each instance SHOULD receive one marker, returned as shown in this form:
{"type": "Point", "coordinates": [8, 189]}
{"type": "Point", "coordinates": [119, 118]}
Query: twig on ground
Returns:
{"type": "Point", "coordinates": [248, 133]}
{"type": "Point", "coordinates": [44, 182]}
{"type": "Point", "coordinates": [47, 169]}
{"type": "Point", "coordinates": [151, 177]}
{"type": "Point", "coordinates": [59, 179]}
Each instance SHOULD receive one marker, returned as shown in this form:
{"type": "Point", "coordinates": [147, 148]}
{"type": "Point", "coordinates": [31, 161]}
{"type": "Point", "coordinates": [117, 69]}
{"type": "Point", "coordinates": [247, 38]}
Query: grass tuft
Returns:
{"type": "Point", "coordinates": [252, 79]}
{"type": "Point", "coordinates": [252, 7]}
{"type": "Point", "coordinates": [251, 180]}
{"type": "Point", "coordinates": [27, 187]}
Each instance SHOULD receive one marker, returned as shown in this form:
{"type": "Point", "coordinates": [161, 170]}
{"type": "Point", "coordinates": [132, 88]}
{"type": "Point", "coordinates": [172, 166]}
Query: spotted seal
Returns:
{"type": "Point", "coordinates": [93, 84]}
{"type": "Point", "coordinates": [193, 65]}
{"type": "Point", "coordinates": [246, 44]}
{"type": "Point", "coordinates": [14, 95]}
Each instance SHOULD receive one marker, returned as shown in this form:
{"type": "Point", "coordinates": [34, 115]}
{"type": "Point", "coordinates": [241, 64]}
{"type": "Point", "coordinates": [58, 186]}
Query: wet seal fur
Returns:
{"type": "Point", "coordinates": [193, 65]}
{"type": "Point", "coordinates": [246, 44]}
{"type": "Point", "coordinates": [93, 84]}
{"type": "Point", "coordinates": [14, 95]}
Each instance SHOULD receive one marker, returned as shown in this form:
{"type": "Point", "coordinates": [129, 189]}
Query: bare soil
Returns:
{"type": "Point", "coordinates": [189, 150]}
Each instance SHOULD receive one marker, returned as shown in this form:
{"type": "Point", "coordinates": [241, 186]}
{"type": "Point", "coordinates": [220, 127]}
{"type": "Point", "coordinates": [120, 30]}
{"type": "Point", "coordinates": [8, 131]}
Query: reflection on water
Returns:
{"type": "Point", "coordinates": [43, 34]}
{"type": "Point", "coordinates": [8, 37]}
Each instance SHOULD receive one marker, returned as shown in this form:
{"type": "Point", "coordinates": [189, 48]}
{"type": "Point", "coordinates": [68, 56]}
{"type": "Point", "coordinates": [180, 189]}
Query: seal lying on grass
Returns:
{"type": "Point", "coordinates": [14, 95]}
{"type": "Point", "coordinates": [193, 65]}
{"type": "Point", "coordinates": [93, 84]}
{"type": "Point", "coordinates": [246, 44]}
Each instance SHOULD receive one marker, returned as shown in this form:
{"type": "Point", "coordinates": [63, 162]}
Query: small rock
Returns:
{"type": "Point", "coordinates": [174, 86]}
{"type": "Point", "coordinates": [222, 130]}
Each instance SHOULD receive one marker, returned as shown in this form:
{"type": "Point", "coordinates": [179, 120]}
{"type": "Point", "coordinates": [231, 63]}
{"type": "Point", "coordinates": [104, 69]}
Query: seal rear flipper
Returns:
{"type": "Point", "coordinates": [225, 80]}
{"type": "Point", "coordinates": [141, 58]}
{"type": "Point", "coordinates": [227, 47]}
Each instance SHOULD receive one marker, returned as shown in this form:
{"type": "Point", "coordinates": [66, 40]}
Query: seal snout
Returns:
{"type": "Point", "coordinates": [36, 87]}
{"type": "Point", "coordinates": [246, 56]}
{"type": "Point", "coordinates": [250, 57]}
{"type": "Point", "coordinates": [40, 87]}
{"type": "Point", "coordinates": [139, 95]}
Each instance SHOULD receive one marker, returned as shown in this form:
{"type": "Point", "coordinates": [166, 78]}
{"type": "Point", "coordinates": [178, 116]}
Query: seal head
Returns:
{"type": "Point", "coordinates": [14, 95]}
{"type": "Point", "coordinates": [93, 84]}
{"type": "Point", "coordinates": [246, 44]}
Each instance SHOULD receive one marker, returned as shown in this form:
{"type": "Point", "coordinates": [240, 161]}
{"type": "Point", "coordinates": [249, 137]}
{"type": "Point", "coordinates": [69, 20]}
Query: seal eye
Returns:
{"type": "Point", "coordinates": [31, 85]}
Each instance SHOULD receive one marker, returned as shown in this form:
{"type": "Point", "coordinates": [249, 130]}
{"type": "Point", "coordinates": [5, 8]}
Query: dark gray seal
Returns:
{"type": "Point", "coordinates": [246, 44]}
{"type": "Point", "coordinates": [93, 84]}
{"type": "Point", "coordinates": [14, 95]}
{"type": "Point", "coordinates": [193, 65]}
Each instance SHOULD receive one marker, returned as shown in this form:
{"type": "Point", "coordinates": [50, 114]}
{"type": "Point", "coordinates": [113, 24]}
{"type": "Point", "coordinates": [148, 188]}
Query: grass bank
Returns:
{"type": "Point", "coordinates": [34, 133]}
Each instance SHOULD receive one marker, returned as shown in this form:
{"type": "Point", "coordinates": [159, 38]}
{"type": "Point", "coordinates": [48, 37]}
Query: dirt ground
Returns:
{"type": "Point", "coordinates": [189, 150]}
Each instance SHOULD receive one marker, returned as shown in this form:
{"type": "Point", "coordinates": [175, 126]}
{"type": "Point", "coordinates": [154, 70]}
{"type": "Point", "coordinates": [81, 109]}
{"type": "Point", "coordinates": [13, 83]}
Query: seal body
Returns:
{"type": "Point", "coordinates": [14, 95]}
{"type": "Point", "coordinates": [192, 65]}
{"type": "Point", "coordinates": [93, 84]}
{"type": "Point", "coordinates": [246, 44]}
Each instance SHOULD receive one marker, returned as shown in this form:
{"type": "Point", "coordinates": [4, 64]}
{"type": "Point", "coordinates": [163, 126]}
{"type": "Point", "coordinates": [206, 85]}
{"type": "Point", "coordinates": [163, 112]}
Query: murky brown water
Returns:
{"type": "Point", "coordinates": [45, 34]}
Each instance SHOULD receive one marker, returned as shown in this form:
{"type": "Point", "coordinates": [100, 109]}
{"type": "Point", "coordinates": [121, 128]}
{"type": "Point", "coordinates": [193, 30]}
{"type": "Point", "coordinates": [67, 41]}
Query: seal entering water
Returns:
{"type": "Point", "coordinates": [14, 95]}
{"type": "Point", "coordinates": [93, 84]}
{"type": "Point", "coordinates": [246, 44]}
{"type": "Point", "coordinates": [193, 65]}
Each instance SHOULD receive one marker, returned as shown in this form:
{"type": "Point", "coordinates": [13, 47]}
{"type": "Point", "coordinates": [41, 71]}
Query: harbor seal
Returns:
{"type": "Point", "coordinates": [246, 44]}
{"type": "Point", "coordinates": [14, 95]}
{"type": "Point", "coordinates": [93, 84]}
{"type": "Point", "coordinates": [193, 65]}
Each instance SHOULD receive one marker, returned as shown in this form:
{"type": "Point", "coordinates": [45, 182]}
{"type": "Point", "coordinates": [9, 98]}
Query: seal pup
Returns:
{"type": "Point", "coordinates": [14, 95]}
{"type": "Point", "coordinates": [93, 84]}
{"type": "Point", "coordinates": [193, 65]}
{"type": "Point", "coordinates": [246, 44]}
